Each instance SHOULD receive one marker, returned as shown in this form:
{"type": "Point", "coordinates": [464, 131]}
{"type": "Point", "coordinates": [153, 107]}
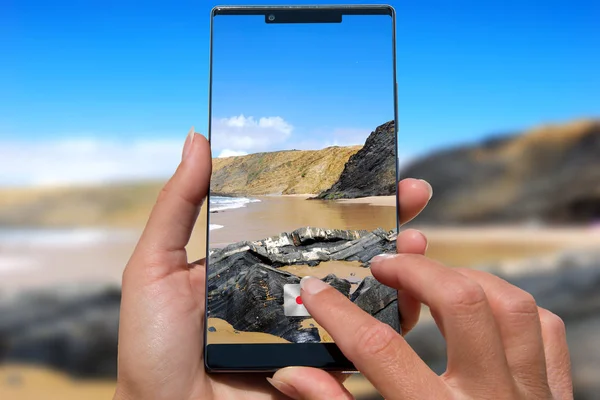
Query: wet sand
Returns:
{"type": "Point", "coordinates": [276, 214]}
{"type": "Point", "coordinates": [26, 382]}
{"type": "Point", "coordinates": [221, 332]}
{"type": "Point", "coordinates": [387, 201]}
{"type": "Point", "coordinates": [350, 270]}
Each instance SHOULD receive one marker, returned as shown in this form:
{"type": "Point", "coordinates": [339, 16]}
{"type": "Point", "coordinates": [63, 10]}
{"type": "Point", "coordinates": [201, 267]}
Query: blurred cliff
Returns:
{"type": "Point", "coordinates": [549, 174]}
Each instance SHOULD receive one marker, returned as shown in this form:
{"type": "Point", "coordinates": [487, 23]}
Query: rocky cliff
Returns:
{"type": "Point", "coordinates": [550, 174]}
{"type": "Point", "coordinates": [371, 171]}
{"type": "Point", "coordinates": [280, 172]}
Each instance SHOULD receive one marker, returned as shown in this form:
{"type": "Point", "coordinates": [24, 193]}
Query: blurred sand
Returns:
{"type": "Point", "coordinates": [20, 382]}
{"type": "Point", "coordinates": [102, 256]}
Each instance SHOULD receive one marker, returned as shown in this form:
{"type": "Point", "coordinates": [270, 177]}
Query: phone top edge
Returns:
{"type": "Point", "coordinates": [382, 9]}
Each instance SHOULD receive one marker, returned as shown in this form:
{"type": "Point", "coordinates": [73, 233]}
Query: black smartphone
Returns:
{"type": "Point", "coordinates": [303, 132]}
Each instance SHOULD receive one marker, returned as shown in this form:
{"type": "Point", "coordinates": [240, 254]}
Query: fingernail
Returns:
{"type": "Point", "coordinates": [424, 238]}
{"type": "Point", "coordinates": [284, 388]}
{"type": "Point", "coordinates": [188, 143]}
{"type": "Point", "coordinates": [312, 285]}
{"type": "Point", "coordinates": [429, 187]}
{"type": "Point", "coordinates": [381, 257]}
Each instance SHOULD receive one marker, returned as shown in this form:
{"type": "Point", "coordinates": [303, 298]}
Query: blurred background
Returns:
{"type": "Point", "coordinates": [498, 109]}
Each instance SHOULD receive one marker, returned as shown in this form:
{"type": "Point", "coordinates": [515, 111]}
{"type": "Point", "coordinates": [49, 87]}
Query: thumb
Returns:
{"type": "Point", "coordinates": [172, 220]}
{"type": "Point", "coordinates": [303, 383]}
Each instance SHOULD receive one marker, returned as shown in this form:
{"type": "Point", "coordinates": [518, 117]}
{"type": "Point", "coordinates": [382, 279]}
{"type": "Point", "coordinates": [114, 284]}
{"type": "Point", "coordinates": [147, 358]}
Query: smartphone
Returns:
{"type": "Point", "coordinates": [303, 133]}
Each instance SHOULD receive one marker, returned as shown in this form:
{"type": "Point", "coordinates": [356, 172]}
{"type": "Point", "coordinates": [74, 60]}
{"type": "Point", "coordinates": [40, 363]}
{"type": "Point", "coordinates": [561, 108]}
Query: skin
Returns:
{"type": "Point", "coordinates": [500, 344]}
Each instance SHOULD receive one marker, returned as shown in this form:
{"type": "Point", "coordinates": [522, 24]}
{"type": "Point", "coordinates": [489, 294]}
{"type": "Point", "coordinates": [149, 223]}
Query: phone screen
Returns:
{"type": "Point", "coordinates": [304, 181]}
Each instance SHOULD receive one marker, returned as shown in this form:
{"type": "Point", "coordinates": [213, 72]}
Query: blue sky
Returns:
{"type": "Point", "coordinates": [306, 86]}
{"type": "Point", "coordinates": [103, 90]}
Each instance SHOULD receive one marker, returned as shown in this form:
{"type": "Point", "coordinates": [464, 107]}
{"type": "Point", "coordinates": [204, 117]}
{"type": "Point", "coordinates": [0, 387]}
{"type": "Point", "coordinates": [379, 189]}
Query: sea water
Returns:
{"type": "Point", "coordinates": [221, 203]}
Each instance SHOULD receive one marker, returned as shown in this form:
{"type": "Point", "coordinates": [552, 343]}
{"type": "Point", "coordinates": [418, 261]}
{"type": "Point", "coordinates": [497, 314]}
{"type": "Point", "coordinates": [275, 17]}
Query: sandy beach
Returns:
{"type": "Point", "coordinates": [386, 201]}
{"type": "Point", "coordinates": [275, 214]}
{"type": "Point", "coordinates": [47, 257]}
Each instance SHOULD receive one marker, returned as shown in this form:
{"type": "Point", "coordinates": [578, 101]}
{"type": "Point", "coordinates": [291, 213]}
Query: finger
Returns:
{"type": "Point", "coordinates": [517, 317]}
{"type": "Point", "coordinates": [410, 311]}
{"type": "Point", "coordinates": [410, 241]}
{"type": "Point", "coordinates": [303, 383]}
{"type": "Point", "coordinates": [461, 310]}
{"type": "Point", "coordinates": [556, 350]}
{"type": "Point", "coordinates": [413, 196]}
{"type": "Point", "coordinates": [170, 225]}
{"type": "Point", "coordinates": [375, 348]}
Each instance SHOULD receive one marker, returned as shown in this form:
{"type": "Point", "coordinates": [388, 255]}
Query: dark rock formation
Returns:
{"type": "Point", "coordinates": [254, 303]}
{"type": "Point", "coordinates": [74, 329]}
{"type": "Point", "coordinates": [246, 289]}
{"type": "Point", "coordinates": [304, 246]}
{"type": "Point", "coordinates": [550, 175]}
{"type": "Point", "coordinates": [378, 300]}
{"type": "Point", "coordinates": [371, 171]}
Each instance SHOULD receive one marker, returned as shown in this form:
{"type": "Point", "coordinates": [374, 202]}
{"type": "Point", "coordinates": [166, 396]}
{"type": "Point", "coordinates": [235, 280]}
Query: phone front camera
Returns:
{"type": "Point", "coordinates": [271, 17]}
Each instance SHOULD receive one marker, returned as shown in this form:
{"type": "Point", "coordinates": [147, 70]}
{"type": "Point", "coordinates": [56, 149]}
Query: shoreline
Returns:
{"type": "Point", "coordinates": [385, 201]}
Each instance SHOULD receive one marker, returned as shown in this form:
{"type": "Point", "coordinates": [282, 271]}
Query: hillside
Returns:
{"type": "Point", "coordinates": [371, 171]}
{"type": "Point", "coordinates": [280, 172]}
{"type": "Point", "coordinates": [549, 174]}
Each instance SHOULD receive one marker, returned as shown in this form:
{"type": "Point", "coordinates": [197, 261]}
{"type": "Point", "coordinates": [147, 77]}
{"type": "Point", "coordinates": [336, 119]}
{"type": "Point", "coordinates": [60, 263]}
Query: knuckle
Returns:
{"type": "Point", "coordinates": [552, 324]}
{"type": "Point", "coordinates": [463, 294]}
{"type": "Point", "coordinates": [164, 192]}
{"type": "Point", "coordinates": [518, 302]}
{"type": "Point", "coordinates": [375, 338]}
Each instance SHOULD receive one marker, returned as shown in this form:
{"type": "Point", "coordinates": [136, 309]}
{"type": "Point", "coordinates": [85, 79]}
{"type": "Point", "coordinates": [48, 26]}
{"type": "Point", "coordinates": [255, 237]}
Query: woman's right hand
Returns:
{"type": "Point", "coordinates": [500, 344]}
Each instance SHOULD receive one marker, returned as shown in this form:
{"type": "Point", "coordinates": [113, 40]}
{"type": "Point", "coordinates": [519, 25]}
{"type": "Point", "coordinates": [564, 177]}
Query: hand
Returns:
{"type": "Point", "coordinates": [500, 345]}
{"type": "Point", "coordinates": [163, 297]}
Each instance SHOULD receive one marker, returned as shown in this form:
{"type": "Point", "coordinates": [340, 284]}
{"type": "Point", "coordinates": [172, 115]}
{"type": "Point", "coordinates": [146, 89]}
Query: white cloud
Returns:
{"type": "Point", "coordinates": [231, 153]}
{"type": "Point", "coordinates": [249, 135]}
{"type": "Point", "coordinates": [349, 137]}
{"type": "Point", "coordinates": [86, 161]}
{"type": "Point", "coordinates": [322, 138]}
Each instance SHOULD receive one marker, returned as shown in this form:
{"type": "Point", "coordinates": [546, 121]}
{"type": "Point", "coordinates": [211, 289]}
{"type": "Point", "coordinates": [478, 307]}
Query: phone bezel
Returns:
{"type": "Point", "coordinates": [269, 357]}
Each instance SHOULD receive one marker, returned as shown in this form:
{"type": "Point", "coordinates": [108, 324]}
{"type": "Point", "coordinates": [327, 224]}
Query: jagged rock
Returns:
{"type": "Point", "coordinates": [246, 288]}
{"type": "Point", "coordinates": [341, 285]}
{"type": "Point", "coordinates": [306, 246]}
{"type": "Point", "coordinates": [254, 303]}
{"type": "Point", "coordinates": [73, 328]}
{"type": "Point", "coordinates": [371, 171]}
{"type": "Point", "coordinates": [378, 300]}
